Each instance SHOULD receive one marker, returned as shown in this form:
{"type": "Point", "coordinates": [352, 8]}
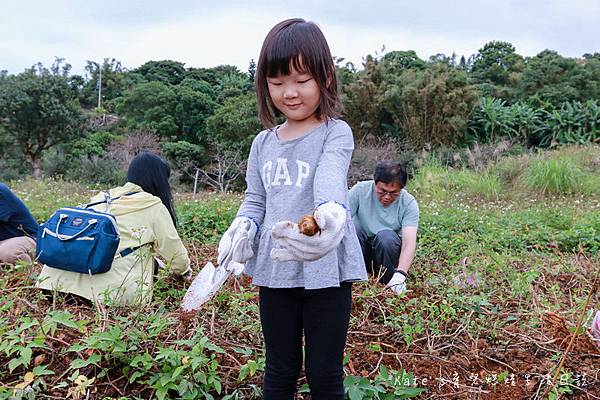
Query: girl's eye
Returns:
{"type": "Point", "coordinates": [305, 80]}
{"type": "Point", "coordinates": [275, 83]}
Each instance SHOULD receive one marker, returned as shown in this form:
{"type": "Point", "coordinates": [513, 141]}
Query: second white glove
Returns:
{"type": "Point", "coordinates": [291, 245]}
{"type": "Point", "coordinates": [397, 283]}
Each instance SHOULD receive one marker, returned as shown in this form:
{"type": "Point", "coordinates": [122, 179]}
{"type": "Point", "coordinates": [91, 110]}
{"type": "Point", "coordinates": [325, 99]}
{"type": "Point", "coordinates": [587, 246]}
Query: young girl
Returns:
{"type": "Point", "coordinates": [294, 169]}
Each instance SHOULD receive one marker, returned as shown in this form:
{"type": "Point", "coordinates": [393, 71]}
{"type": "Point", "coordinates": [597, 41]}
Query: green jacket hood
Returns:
{"type": "Point", "coordinates": [126, 204]}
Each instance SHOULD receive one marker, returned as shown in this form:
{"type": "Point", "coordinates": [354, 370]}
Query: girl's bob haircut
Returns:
{"type": "Point", "coordinates": [301, 45]}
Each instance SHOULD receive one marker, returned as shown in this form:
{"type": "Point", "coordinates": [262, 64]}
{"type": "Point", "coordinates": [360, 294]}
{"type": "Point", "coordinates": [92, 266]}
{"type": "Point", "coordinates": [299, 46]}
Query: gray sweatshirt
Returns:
{"type": "Point", "coordinates": [287, 179]}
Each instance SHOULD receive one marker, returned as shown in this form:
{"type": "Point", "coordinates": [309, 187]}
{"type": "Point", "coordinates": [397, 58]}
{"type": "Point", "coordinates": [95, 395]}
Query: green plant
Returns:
{"type": "Point", "coordinates": [387, 385]}
{"type": "Point", "coordinates": [554, 176]}
{"type": "Point", "coordinates": [206, 219]}
{"type": "Point", "coordinates": [191, 373]}
{"type": "Point", "coordinates": [562, 386]}
{"type": "Point", "coordinates": [571, 123]}
{"type": "Point", "coordinates": [484, 184]}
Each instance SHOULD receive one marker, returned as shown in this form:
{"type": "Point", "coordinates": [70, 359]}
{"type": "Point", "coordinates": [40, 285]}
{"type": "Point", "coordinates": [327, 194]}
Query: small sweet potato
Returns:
{"type": "Point", "coordinates": [308, 226]}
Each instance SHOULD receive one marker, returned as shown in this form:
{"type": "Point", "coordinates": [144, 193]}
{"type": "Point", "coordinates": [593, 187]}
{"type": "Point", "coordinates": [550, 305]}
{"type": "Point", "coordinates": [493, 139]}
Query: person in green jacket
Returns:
{"type": "Point", "coordinates": [146, 219]}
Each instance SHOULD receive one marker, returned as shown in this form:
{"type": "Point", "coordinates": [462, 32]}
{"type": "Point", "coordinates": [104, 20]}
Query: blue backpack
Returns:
{"type": "Point", "coordinates": [80, 239]}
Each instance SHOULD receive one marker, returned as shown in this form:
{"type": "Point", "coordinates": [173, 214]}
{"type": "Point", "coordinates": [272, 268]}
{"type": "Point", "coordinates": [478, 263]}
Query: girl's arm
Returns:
{"type": "Point", "coordinates": [331, 176]}
{"type": "Point", "coordinates": [254, 202]}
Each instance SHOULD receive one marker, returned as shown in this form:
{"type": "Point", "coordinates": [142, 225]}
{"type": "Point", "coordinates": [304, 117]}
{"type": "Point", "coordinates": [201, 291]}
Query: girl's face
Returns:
{"type": "Point", "coordinates": [296, 95]}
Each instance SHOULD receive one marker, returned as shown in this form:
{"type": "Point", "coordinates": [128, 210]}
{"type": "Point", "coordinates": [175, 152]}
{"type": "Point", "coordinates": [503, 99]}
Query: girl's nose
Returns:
{"type": "Point", "coordinates": [290, 93]}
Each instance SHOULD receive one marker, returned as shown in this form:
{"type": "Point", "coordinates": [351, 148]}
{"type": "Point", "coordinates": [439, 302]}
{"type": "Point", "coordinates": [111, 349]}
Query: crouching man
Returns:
{"type": "Point", "coordinates": [386, 218]}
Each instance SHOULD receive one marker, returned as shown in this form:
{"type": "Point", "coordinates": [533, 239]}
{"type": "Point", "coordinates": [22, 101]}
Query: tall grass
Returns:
{"type": "Point", "coordinates": [439, 182]}
{"type": "Point", "coordinates": [560, 175]}
{"type": "Point", "coordinates": [430, 179]}
{"type": "Point", "coordinates": [483, 184]}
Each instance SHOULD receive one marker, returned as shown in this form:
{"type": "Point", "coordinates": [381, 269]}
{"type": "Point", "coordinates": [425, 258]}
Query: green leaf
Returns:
{"type": "Point", "coordinates": [80, 363]}
{"type": "Point", "coordinates": [355, 393]}
{"type": "Point", "coordinates": [41, 370]}
{"type": "Point", "coordinates": [165, 379]}
{"type": "Point", "coordinates": [178, 371]}
{"type": "Point", "coordinates": [243, 372]}
{"type": "Point", "coordinates": [26, 355]}
{"type": "Point", "coordinates": [63, 318]}
{"type": "Point", "coordinates": [14, 363]}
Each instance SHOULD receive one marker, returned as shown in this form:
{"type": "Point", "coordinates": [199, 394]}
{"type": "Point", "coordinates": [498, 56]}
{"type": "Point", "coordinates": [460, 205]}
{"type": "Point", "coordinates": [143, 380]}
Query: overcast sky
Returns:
{"type": "Point", "coordinates": [206, 34]}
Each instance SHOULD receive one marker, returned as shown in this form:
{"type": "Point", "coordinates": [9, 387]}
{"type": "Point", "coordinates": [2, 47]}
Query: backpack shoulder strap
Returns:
{"type": "Point", "coordinates": [107, 200]}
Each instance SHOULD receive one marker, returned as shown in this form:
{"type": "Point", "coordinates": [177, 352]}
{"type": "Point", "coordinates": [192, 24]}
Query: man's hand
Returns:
{"type": "Point", "coordinates": [397, 283]}
{"type": "Point", "coordinates": [295, 246]}
{"type": "Point", "coordinates": [235, 247]}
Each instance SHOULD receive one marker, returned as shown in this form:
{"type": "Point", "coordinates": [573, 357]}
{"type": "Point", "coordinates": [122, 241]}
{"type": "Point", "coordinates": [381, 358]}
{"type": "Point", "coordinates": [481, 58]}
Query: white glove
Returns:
{"type": "Point", "coordinates": [295, 246]}
{"type": "Point", "coordinates": [235, 247]}
{"type": "Point", "coordinates": [397, 283]}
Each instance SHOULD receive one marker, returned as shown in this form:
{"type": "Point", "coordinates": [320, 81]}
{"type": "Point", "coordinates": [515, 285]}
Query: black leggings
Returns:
{"type": "Point", "coordinates": [323, 316]}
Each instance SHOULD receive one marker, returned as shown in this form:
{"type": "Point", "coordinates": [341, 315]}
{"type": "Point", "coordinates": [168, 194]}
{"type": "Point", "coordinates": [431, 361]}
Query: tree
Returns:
{"type": "Point", "coordinates": [494, 63]}
{"type": "Point", "coordinates": [550, 79]}
{"type": "Point", "coordinates": [227, 165]}
{"type": "Point", "coordinates": [591, 76]}
{"type": "Point", "coordinates": [361, 92]}
{"type": "Point", "coordinates": [235, 122]}
{"type": "Point", "coordinates": [496, 69]}
{"type": "Point", "coordinates": [38, 111]}
{"type": "Point", "coordinates": [172, 111]}
{"type": "Point", "coordinates": [442, 58]}
{"type": "Point", "coordinates": [150, 106]}
{"type": "Point", "coordinates": [395, 62]}
{"type": "Point", "coordinates": [187, 157]}
{"type": "Point", "coordinates": [431, 106]}
{"type": "Point", "coordinates": [191, 112]}
{"type": "Point", "coordinates": [114, 82]}
{"type": "Point", "coordinates": [166, 71]}
{"type": "Point", "coordinates": [226, 80]}
{"type": "Point", "coordinates": [251, 70]}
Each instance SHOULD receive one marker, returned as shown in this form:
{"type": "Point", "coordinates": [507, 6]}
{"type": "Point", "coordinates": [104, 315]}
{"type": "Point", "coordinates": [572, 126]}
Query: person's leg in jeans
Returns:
{"type": "Point", "coordinates": [281, 320]}
{"type": "Point", "coordinates": [366, 245]}
{"type": "Point", "coordinates": [326, 317]}
{"type": "Point", "coordinates": [386, 253]}
{"type": "Point", "coordinates": [17, 248]}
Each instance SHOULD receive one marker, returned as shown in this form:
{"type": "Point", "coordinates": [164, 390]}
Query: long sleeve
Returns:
{"type": "Point", "coordinates": [15, 214]}
{"type": "Point", "coordinates": [168, 243]}
{"type": "Point", "coordinates": [331, 182]}
{"type": "Point", "coordinates": [254, 203]}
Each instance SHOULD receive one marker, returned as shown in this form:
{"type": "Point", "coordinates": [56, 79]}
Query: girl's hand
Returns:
{"type": "Point", "coordinates": [235, 246]}
{"type": "Point", "coordinates": [295, 246]}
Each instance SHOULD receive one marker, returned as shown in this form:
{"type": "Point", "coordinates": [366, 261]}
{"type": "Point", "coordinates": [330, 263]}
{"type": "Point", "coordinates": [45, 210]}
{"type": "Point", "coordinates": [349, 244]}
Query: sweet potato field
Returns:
{"type": "Point", "coordinates": [501, 296]}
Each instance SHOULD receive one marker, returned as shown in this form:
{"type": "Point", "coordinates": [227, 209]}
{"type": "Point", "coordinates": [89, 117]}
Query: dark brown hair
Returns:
{"type": "Point", "coordinates": [301, 45]}
{"type": "Point", "coordinates": [388, 171]}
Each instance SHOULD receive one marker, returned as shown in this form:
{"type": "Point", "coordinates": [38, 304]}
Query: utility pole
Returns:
{"type": "Point", "coordinates": [100, 86]}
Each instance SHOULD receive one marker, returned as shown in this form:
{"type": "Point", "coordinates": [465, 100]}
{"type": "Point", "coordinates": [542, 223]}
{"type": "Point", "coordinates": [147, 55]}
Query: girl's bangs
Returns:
{"type": "Point", "coordinates": [283, 57]}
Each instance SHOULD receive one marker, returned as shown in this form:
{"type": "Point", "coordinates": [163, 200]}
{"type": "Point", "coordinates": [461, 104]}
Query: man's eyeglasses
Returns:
{"type": "Point", "coordinates": [383, 193]}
